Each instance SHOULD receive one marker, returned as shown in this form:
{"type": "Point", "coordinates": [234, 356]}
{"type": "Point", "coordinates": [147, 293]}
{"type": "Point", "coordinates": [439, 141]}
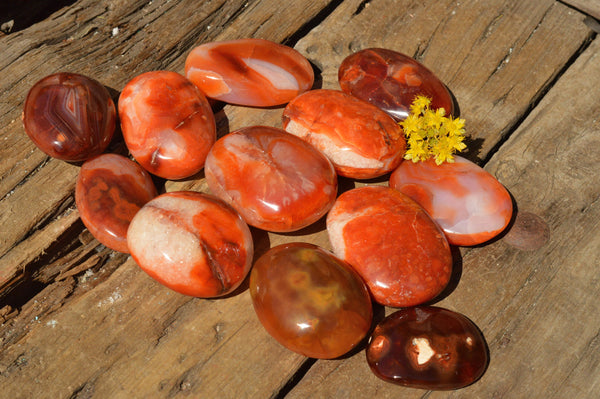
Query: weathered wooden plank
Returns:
{"type": "Point", "coordinates": [129, 337]}
{"type": "Point", "coordinates": [591, 7]}
{"type": "Point", "coordinates": [537, 309]}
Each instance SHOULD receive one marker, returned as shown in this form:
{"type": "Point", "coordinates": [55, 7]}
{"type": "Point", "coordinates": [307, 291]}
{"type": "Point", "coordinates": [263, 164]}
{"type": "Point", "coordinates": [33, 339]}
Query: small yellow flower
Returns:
{"type": "Point", "coordinates": [430, 134]}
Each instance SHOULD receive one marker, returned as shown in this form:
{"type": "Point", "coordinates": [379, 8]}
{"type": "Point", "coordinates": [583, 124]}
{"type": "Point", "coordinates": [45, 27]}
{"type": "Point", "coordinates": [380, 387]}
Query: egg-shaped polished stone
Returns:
{"type": "Point", "coordinates": [361, 141]}
{"type": "Point", "coordinates": [310, 301]}
{"type": "Point", "coordinates": [391, 80]}
{"type": "Point", "coordinates": [69, 116]}
{"type": "Point", "coordinates": [191, 242]}
{"type": "Point", "coordinates": [168, 124]}
{"type": "Point", "coordinates": [468, 203]}
{"type": "Point", "coordinates": [110, 190]}
{"type": "Point", "coordinates": [398, 250]}
{"type": "Point", "coordinates": [276, 181]}
{"type": "Point", "coordinates": [427, 347]}
{"type": "Point", "coordinates": [253, 72]}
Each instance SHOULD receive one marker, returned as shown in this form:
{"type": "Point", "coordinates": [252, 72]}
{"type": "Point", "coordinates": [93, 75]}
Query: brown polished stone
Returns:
{"type": "Point", "coordinates": [427, 347]}
{"type": "Point", "coordinates": [391, 80]}
{"type": "Point", "coordinates": [310, 301]}
{"type": "Point", "coordinates": [69, 116]}
{"type": "Point", "coordinates": [110, 190]}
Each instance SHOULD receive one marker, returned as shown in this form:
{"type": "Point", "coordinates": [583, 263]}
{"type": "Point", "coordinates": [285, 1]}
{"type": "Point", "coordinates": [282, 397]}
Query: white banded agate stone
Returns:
{"type": "Point", "coordinates": [468, 203]}
{"type": "Point", "coordinates": [251, 72]}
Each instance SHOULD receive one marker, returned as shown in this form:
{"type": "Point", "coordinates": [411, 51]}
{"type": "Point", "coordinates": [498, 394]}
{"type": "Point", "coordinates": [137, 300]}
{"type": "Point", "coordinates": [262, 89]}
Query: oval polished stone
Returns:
{"type": "Point", "coordinates": [253, 72]}
{"type": "Point", "coordinates": [391, 80]}
{"type": "Point", "coordinates": [361, 141]}
{"type": "Point", "coordinates": [310, 301]}
{"type": "Point", "coordinates": [168, 124]}
{"type": "Point", "coordinates": [275, 180]}
{"type": "Point", "coordinates": [191, 242]}
{"type": "Point", "coordinates": [394, 245]}
{"type": "Point", "coordinates": [110, 190]}
{"type": "Point", "coordinates": [427, 347]}
{"type": "Point", "coordinates": [69, 116]}
{"type": "Point", "coordinates": [468, 203]}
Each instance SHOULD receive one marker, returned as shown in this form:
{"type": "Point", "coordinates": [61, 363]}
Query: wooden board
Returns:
{"type": "Point", "coordinates": [82, 321]}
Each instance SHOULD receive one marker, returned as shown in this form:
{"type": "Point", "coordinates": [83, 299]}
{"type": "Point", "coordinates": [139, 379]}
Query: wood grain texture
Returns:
{"type": "Point", "coordinates": [590, 7]}
{"type": "Point", "coordinates": [100, 327]}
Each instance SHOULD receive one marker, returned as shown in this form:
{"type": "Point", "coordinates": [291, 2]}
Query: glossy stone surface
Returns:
{"type": "Point", "coordinates": [275, 180]}
{"type": "Point", "coordinates": [310, 301]}
{"type": "Point", "coordinates": [252, 72]}
{"type": "Point", "coordinates": [468, 203]}
{"type": "Point", "coordinates": [69, 116]}
{"type": "Point", "coordinates": [391, 80]}
{"type": "Point", "coordinates": [398, 250]}
{"type": "Point", "coordinates": [191, 242]}
{"type": "Point", "coordinates": [427, 347]}
{"type": "Point", "coordinates": [168, 124]}
{"type": "Point", "coordinates": [361, 141]}
{"type": "Point", "coordinates": [110, 190]}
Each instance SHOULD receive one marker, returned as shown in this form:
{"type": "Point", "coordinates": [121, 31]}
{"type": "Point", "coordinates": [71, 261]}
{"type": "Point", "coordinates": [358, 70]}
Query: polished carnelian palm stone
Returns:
{"type": "Point", "coordinates": [391, 80]}
{"type": "Point", "coordinates": [468, 203]}
{"type": "Point", "coordinates": [310, 301]}
{"type": "Point", "coordinates": [110, 190]}
{"type": "Point", "coordinates": [253, 72]}
{"type": "Point", "coordinates": [361, 140]}
{"type": "Point", "coordinates": [69, 116]}
{"type": "Point", "coordinates": [168, 124]}
{"type": "Point", "coordinates": [275, 180]}
{"type": "Point", "coordinates": [427, 347]}
{"type": "Point", "coordinates": [191, 242]}
{"type": "Point", "coordinates": [398, 250]}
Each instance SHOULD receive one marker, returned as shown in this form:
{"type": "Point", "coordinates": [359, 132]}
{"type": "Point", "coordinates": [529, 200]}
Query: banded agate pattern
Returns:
{"type": "Point", "coordinates": [252, 72]}
{"type": "Point", "coordinates": [69, 116]}
{"type": "Point", "coordinates": [468, 203]}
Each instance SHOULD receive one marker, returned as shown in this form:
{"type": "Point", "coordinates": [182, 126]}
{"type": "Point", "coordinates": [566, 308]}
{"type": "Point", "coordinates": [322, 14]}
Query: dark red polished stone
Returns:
{"type": "Point", "coordinates": [168, 124]}
{"type": "Point", "coordinates": [69, 116]}
{"type": "Point", "coordinates": [110, 190]}
{"type": "Point", "coordinates": [398, 250]}
{"type": "Point", "coordinates": [191, 242]}
{"type": "Point", "coordinates": [276, 181]}
{"type": "Point", "coordinates": [391, 80]}
{"type": "Point", "coordinates": [361, 140]}
{"type": "Point", "coordinates": [310, 301]}
{"type": "Point", "coordinates": [429, 348]}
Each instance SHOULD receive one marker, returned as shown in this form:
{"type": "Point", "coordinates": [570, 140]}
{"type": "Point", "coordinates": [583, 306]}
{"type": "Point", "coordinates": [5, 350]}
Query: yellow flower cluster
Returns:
{"type": "Point", "coordinates": [429, 133]}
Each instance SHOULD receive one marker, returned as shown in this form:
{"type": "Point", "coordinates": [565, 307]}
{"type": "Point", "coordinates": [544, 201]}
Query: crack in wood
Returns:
{"type": "Point", "coordinates": [363, 4]}
{"type": "Point", "coordinates": [506, 133]}
{"type": "Point", "coordinates": [312, 23]}
{"type": "Point", "coordinates": [294, 379]}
